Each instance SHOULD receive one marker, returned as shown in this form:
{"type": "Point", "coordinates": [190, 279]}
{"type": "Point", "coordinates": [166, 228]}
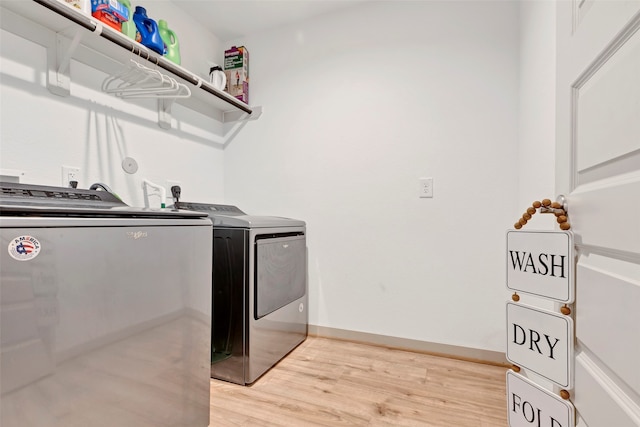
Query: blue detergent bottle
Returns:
{"type": "Point", "coordinates": [147, 31]}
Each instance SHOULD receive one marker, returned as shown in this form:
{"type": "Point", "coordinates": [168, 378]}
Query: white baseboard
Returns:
{"type": "Point", "coordinates": [446, 350]}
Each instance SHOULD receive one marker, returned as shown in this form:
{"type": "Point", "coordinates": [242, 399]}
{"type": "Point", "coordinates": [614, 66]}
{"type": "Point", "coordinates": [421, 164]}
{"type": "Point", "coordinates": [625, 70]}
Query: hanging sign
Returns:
{"type": "Point", "coordinates": [541, 341]}
{"type": "Point", "coordinates": [531, 405]}
{"type": "Point", "coordinates": [541, 263]}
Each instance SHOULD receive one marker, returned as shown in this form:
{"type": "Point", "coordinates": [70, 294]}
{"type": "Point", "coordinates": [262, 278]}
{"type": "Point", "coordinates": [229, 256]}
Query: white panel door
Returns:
{"type": "Point", "coordinates": [598, 169]}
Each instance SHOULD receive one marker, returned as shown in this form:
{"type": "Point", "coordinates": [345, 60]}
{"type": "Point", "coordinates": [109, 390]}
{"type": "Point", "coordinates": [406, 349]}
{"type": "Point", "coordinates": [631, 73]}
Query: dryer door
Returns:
{"type": "Point", "coordinates": [280, 272]}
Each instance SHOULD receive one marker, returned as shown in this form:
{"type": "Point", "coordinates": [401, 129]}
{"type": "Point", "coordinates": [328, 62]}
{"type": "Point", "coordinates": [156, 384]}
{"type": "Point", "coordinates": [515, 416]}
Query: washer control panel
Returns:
{"type": "Point", "coordinates": [40, 195]}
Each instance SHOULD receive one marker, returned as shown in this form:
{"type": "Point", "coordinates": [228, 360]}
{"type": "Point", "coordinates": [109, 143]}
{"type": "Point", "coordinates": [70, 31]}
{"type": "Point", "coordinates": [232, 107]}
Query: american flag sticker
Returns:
{"type": "Point", "coordinates": [24, 248]}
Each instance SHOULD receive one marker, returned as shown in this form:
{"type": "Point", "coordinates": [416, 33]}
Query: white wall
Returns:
{"type": "Point", "coordinates": [536, 139]}
{"type": "Point", "coordinates": [358, 106]}
{"type": "Point", "coordinates": [40, 132]}
{"type": "Point", "coordinates": [536, 152]}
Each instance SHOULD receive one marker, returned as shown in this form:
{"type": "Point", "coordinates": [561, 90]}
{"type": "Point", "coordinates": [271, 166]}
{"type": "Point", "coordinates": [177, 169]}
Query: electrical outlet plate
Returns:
{"type": "Point", "coordinates": [171, 183]}
{"type": "Point", "coordinates": [425, 189]}
{"type": "Point", "coordinates": [11, 175]}
{"type": "Point", "coordinates": [70, 173]}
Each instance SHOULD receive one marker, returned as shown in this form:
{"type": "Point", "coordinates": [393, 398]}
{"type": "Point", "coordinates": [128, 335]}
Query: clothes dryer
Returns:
{"type": "Point", "coordinates": [259, 290]}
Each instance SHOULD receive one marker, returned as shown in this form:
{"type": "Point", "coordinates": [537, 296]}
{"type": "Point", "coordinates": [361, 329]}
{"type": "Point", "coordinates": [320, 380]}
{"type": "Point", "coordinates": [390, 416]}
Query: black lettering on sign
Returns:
{"type": "Point", "coordinates": [543, 264]}
{"type": "Point", "coordinates": [521, 337]}
{"type": "Point", "coordinates": [532, 414]}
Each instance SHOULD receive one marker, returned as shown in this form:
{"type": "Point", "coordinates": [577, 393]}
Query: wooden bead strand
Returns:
{"type": "Point", "coordinates": [546, 206]}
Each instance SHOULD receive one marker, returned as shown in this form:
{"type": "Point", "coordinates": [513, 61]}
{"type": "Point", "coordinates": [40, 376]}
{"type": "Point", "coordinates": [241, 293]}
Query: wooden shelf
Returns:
{"type": "Point", "coordinates": [85, 39]}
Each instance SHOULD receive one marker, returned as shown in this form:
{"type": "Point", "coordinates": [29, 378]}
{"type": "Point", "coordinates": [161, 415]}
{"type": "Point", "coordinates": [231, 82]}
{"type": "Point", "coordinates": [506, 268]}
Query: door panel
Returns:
{"type": "Point", "coordinates": [598, 169]}
{"type": "Point", "coordinates": [604, 215]}
{"type": "Point", "coordinates": [599, 315]}
{"type": "Point", "coordinates": [280, 273]}
{"type": "Point", "coordinates": [603, 133]}
{"type": "Point", "coordinates": [599, 401]}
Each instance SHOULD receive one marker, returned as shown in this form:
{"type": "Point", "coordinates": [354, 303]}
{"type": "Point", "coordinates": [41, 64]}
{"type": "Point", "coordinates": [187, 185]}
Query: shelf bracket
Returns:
{"type": "Point", "coordinates": [58, 61]}
{"type": "Point", "coordinates": [241, 116]}
{"type": "Point", "coordinates": [234, 121]}
{"type": "Point", "coordinates": [164, 112]}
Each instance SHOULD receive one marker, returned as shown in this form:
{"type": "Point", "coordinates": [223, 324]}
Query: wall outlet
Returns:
{"type": "Point", "coordinates": [11, 175]}
{"type": "Point", "coordinates": [425, 189]}
{"type": "Point", "coordinates": [70, 173]}
{"type": "Point", "coordinates": [170, 184]}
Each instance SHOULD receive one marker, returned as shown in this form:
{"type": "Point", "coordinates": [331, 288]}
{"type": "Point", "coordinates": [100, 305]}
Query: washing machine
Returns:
{"type": "Point", "coordinates": [259, 295]}
{"type": "Point", "coordinates": [105, 311]}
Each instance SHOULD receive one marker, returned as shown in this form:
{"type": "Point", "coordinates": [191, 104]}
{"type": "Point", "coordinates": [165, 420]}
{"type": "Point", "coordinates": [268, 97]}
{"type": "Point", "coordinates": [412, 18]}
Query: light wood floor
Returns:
{"type": "Point", "coordinates": [327, 382]}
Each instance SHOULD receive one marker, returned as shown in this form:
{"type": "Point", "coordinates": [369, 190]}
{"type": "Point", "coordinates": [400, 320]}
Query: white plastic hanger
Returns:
{"type": "Point", "coordinates": [139, 81]}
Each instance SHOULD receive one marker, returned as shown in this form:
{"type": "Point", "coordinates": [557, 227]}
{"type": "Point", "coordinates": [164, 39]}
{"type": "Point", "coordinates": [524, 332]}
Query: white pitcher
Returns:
{"type": "Point", "coordinates": [217, 77]}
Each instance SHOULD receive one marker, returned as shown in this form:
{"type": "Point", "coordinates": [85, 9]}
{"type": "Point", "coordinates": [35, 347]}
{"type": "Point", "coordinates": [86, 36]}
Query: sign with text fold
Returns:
{"type": "Point", "coordinates": [529, 405]}
{"type": "Point", "coordinates": [541, 263]}
{"type": "Point", "coordinates": [541, 341]}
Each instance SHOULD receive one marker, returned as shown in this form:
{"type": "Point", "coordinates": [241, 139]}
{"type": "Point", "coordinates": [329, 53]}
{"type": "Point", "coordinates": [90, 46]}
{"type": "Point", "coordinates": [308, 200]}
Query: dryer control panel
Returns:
{"type": "Point", "coordinates": [206, 207]}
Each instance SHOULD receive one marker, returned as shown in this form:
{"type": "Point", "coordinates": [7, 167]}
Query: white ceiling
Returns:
{"type": "Point", "coordinates": [231, 19]}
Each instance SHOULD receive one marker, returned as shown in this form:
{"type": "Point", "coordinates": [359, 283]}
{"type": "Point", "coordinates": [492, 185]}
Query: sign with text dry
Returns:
{"type": "Point", "coordinates": [541, 263]}
{"type": "Point", "coordinates": [529, 405]}
{"type": "Point", "coordinates": [541, 341]}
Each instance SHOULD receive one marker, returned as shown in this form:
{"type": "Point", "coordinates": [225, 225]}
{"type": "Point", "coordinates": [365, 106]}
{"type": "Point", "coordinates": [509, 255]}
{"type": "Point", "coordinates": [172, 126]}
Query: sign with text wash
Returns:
{"type": "Point", "coordinates": [541, 263]}
{"type": "Point", "coordinates": [529, 405]}
{"type": "Point", "coordinates": [541, 341]}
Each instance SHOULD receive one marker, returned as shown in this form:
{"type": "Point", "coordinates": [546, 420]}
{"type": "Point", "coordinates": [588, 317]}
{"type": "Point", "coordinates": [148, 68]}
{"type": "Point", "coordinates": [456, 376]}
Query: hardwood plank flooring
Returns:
{"type": "Point", "coordinates": [327, 382]}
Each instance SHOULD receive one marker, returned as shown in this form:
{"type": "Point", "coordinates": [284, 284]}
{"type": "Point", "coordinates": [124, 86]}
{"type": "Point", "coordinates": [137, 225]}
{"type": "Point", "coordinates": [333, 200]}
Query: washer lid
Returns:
{"type": "Point", "coordinates": [40, 200]}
